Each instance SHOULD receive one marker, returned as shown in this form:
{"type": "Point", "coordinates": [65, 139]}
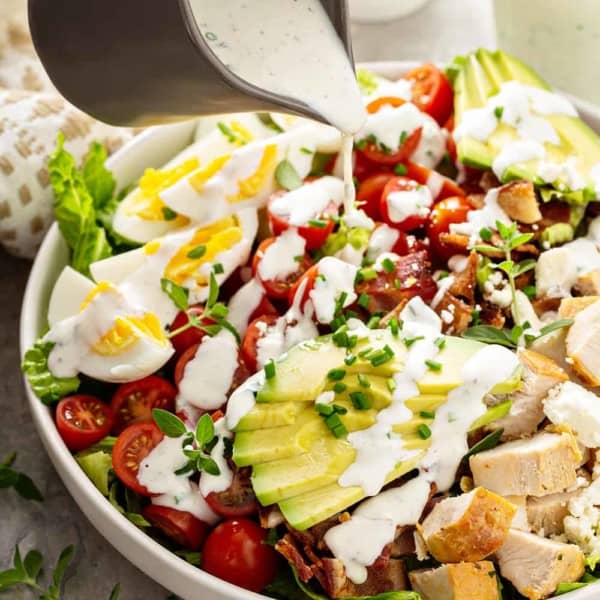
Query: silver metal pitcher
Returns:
{"type": "Point", "coordinates": [143, 62]}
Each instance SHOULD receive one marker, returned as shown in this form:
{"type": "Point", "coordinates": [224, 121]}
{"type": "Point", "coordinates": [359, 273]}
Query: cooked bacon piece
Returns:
{"type": "Point", "coordinates": [492, 315]}
{"type": "Point", "coordinates": [465, 281]}
{"type": "Point", "coordinates": [288, 549]}
{"type": "Point", "coordinates": [270, 516]}
{"type": "Point", "coordinates": [455, 314]}
{"type": "Point", "coordinates": [519, 201]}
{"type": "Point", "coordinates": [411, 277]}
{"type": "Point", "coordinates": [460, 245]}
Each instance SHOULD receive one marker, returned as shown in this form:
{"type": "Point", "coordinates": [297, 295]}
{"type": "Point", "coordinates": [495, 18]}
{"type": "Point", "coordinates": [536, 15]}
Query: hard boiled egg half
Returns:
{"type": "Point", "coordinates": [142, 216]}
{"type": "Point", "coordinates": [97, 331]}
{"type": "Point", "coordinates": [186, 257]}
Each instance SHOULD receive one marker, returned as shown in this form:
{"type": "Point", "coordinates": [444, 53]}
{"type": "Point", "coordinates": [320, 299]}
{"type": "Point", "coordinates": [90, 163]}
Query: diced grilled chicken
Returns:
{"type": "Point", "coordinates": [588, 284]}
{"type": "Point", "coordinates": [570, 307]}
{"type": "Point", "coordinates": [462, 581]}
{"type": "Point", "coordinates": [536, 565]}
{"type": "Point", "coordinates": [519, 202]}
{"type": "Point", "coordinates": [520, 520]}
{"type": "Point", "coordinates": [543, 464]}
{"type": "Point", "coordinates": [546, 514]}
{"type": "Point", "coordinates": [583, 344]}
{"type": "Point", "coordinates": [467, 528]}
{"type": "Point", "coordinates": [540, 375]}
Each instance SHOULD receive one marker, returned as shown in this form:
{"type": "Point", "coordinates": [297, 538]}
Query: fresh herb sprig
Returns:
{"type": "Point", "coordinates": [511, 238]}
{"type": "Point", "coordinates": [196, 445]}
{"type": "Point", "coordinates": [20, 482]}
{"type": "Point", "coordinates": [213, 310]}
{"type": "Point", "coordinates": [27, 572]}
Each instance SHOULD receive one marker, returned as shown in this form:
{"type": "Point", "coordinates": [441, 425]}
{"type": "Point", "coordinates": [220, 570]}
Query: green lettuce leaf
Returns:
{"type": "Point", "coordinates": [48, 388]}
{"type": "Point", "coordinates": [98, 179]}
{"type": "Point", "coordinates": [92, 246]}
{"type": "Point", "coordinates": [97, 467]}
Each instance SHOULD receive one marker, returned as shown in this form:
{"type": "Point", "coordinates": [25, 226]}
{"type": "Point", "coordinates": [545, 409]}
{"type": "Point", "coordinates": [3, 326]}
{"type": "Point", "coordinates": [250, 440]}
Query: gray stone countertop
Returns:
{"type": "Point", "coordinates": [443, 28]}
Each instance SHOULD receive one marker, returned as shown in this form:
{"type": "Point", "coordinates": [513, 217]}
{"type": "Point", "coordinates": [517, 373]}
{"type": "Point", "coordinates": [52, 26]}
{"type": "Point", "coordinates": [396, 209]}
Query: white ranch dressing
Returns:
{"type": "Point", "coordinates": [157, 471]}
{"type": "Point", "coordinates": [359, 541]}
{"type": "Point", "coordinates": [409, 203]}
{"type": "Point", "coordinates": [383, 239]}
{"type": "Point", "coordinates": [208, 376]}
{"type": "Point", "coordinates": [191, 501]}
{"type": "Point", "coordinates": [243, 399]}
{"type": "Point", "coordinates": [218, 483]}
{"type": "Point", "coordinates": [279, 260]}
{"type": "Point", "coordinates": [243, 304]}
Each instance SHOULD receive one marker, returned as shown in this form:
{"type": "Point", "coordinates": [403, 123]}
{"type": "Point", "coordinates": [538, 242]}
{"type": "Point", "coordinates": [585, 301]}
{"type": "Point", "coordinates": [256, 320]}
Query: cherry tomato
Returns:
{"type": "Point", "coordinates": [236, 501]}
{"type": "Point", "coordinates": [82, 421]}
{"type": "Point", "coordinates": [255, 331]}
{"type": "Point", "coordinates": [410, 277]}
{"type": "Point", "coordinates": [240, 375]}
{"type": "Point", "coordinates": [401, 184]}
{"type": "Point", "coordinates": [236, 552]}
{"type": "Point", "coordinates": [379, 103]}
{"type": "Point", "coordinates": [308, 277]}
{"type": "Point", "coordinates": [372, 152]}
{"type": "Point", "coordinates": [450, 143]}
{"type": "Point", "coordinates": [364, 168]}
{"type": "Point", "coordinates": [401, 245]}
{"type": "Point", "coordinates": [182, 341]}
{"type": "Point", "coordinates": [277, 288]}
{"type": "Point", "coordinates": [183, 527]}
{"type": "Point", "coordinates": [314, 235]}
{"type": "Point", "coordinates": [432, 92]}
{"type": "Point", "coordinates": [131, 448]}
{"type": "Point", "coordinates": [369, 193]}
{"type": "Point", "coordinates": [444, 213]}
{"type": "Point", "coordinates": [265, 307]}
{"type": "Point", "coordinates": [427, 177]}
{"type": "Point", "coordinates": [133, 402]}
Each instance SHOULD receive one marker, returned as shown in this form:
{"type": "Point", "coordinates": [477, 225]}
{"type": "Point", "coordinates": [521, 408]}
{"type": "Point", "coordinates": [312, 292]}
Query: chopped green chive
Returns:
{"type": "Point", "coordinates": [335, 425]}
{"type": "Point", "coordinates": [197, 252]}
{"type": "Point", "coordinates": [372, 138]}
{"type": "Point", "coordinates": [218, 269]}
{"type": "Point", "coordinates": [475, 317]}
{"type": "Point", "coordinates": [373, 322]}
{"type": "Point", "coordinates": [408, 342]}
{"type": "Point", "coordinates": [530, 291]}
{"type": "Point", "coordinates": [352, 341]}
{"type": "Point", "coordinates": [317, 223]}
{"type": "Point", "coordinates": [394, 326]}
{"type": "Point", "coordinates": [299, 258]}
{"type": "Point", "coordinates": [350, 359]}
{"type": "Point", "coordinates": [305, 150]}
{"type": "Point", "coordinates": [340, 410]}
{"type": "Point", "coordinates": [270, 369]}
{"type": "Point", "coordinates": [169, 214]}
{"type": "Point", "coordinates": [400, 169]}
{"type": "Point", "coordinates": [424, 431]}
{"type": "Point", "coordinates": [381, 356]}
{"type": "Point", "coordinates": [336, 374]}
{"type": "Point", "coordinates": [433, 365]}
{"type": "Point", "coordinates": [403, 137]}
{"type": "Point", "coordinates": [485, 234]}
{"type": "Point", "coordinates": [360, 400]}
{"type": "Point", "coordinates": [364, 353]}
{"type": "Point", "coordinates": [426, 414]}
{"type": "Point", "coordinates": [391, 384]}
{"type": "Point", "coordinates": [443, 275]}
{"type": "Point", "coordinates": [498, 112]}
{"type": "Point", "coordinates": [363, 300]}
{"type": "Point", "coordinates": [340, 337]}
{"type": "Point", "coordinates": [389, 266]}
{"type": "Point", "coordinates": [324, 409]}
{"type": "Point", "coordinates": [361, 144]}
{"type": "Point", "coordinates": [397, 283]}
{"type": "Point", "coordinates": [366, 274]}
{"type": "Point", "coordinates": [340, 387]}
{"type": "Point", "coordinates": [440, 343]}
{"type": "Point", "coordinates": [363, 381]}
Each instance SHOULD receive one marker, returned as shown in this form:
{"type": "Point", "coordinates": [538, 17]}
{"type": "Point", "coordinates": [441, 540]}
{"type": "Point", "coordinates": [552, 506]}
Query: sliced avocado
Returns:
{"type": "Point", "coordinates": [294, 462]}
{"type": "Point", "coordinates": [96, 466]}
{"type": "Point", "coordinates": [479, 76]}
{"type": "Point", "coordinates": [559, 233]}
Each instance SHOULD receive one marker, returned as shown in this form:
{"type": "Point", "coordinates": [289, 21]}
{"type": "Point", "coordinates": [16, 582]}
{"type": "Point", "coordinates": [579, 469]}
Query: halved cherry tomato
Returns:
{"type": "Point", "coordinates": [182, 341]}
{"type": "Point", "coordinates": [314, 235]}
{"type": "Point", "coordinates": [401, 246]}
{"type": "Point", "coordinates": [309, 277]}
{"type": "Point", "coordinates": [369, 193]}
{"type": "Point", "coordinates": [450, 143]}
{"type": "Point", "coordinates": [278, 288]}
{"type": "Point", "coordinates": [377, 104]}
{"type": "Point", "coordinates": [183, 527]}
{"type": "Point", "coordinates": [432, 92]}
{"type": "Point", "coordinates": [82, 421]}
{"type": "Point", "coordinates": [372, 152]}
{"type": "Point", "coordinates": [413, 221]}
{"type": "Point", "coordinates": [364, 168]}
{"type": "Point", "coordinates": [265, 307]}
{"type": "Point", "coordinates": [444, 213]}
{"type": "Point", "coordinates": [433, 180]}
{"type": "Point", "coordinates": [133, 402]}
{"type": "Point", "coordinates": [255, 331]}
{"type": "Point", "coordinates": [131, 448]}
{"type": "Point", "coordinates": [236, 501]}
{"type": "Point", "coordinates": [236, 552]}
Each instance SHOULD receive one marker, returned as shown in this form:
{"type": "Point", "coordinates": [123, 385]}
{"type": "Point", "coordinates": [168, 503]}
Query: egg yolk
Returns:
{"type": "Point", "coordinates": [201, 176]}
{"type": "Point", "coordinates": [127, 331]}
{"type": "Point", "coordinates": [146, 203]}
{"type": "Point", "coordinates": [216, 238]}
{"type": "Point", "coordinates": [250, 186]}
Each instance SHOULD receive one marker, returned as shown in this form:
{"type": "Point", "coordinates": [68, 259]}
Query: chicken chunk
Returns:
{"type": "Point", "coordinates": [536, 565]}
{"type": "Point", "coordinates": [588, 284]}
{"type": "Point", "coordinates": [583, 344]}
{"type": "Point", "coordinates": [519, 202]}
{"type": "Point", "coordinates": [570, 307]}
{"type": "Point", "coordinates": [462, 581]}
{"type": "Point", "coordinates": [540, 374]}
{"type": "Point", "coordinates": [467, 527]}
{"type": "Point", "coordinates": [546, 515]}
{"type": "Point", "coordinates": [538, 466]}
{"type": "Point", "coordinates": [520, 520]}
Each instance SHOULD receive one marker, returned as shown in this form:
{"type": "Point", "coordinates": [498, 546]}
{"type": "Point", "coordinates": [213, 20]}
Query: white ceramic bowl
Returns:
{"type": "Point", "coordinates": [153, 148]}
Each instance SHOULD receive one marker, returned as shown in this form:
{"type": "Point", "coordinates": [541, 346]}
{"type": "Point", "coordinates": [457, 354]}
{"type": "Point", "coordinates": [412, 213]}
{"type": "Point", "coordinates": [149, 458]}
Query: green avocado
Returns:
{"type": "Point", "coordinates": [479, 76]}
{"type": "Point", "coordinates": [296, 460]}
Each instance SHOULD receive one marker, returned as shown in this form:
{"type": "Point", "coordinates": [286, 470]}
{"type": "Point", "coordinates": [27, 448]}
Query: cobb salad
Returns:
{"type": "Point", "coordinates": [395, 401]}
